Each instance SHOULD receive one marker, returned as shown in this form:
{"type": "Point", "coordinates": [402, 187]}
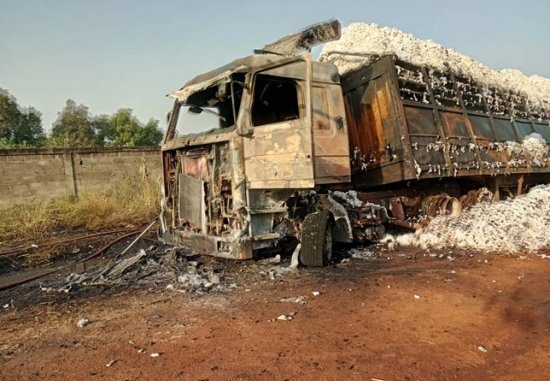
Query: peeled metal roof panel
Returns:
{"type": "Point", "coordinates": [221, 74]}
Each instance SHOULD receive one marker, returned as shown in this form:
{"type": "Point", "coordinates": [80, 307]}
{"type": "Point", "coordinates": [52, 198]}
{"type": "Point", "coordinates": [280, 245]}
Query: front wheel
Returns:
{"type": "Point", "coordinates": [317, 240]}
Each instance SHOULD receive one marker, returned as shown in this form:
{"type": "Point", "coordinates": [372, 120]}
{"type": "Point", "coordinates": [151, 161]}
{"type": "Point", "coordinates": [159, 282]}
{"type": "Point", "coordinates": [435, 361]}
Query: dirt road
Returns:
{"type": "Point", "coordinates": [397, 317]}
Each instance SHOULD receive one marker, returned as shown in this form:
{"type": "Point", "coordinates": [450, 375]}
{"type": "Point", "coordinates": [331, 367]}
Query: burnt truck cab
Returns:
{"type": "Point", "coordinates": [244, 186]}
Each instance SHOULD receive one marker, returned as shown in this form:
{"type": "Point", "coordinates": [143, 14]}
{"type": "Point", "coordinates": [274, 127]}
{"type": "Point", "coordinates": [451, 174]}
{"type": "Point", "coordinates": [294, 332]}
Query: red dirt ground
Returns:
{"type": "Point", "coordinates": [481, 317]}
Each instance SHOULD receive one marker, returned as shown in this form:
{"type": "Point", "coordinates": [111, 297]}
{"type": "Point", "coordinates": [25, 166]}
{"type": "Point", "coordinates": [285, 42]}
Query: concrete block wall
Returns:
{"type": "Point", "coordinates": [35, 175]}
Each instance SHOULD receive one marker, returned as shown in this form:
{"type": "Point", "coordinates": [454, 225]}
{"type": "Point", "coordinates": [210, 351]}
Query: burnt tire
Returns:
{"type": "Point", "coordinates": [317, 241]}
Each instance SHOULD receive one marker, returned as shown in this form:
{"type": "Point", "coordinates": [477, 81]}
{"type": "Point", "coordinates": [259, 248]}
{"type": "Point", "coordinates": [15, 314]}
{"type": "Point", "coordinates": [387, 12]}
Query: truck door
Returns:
{"type": "Point", "coordinates": [278, 146]}
{"type": "Point", "coordinates": [330, 134]}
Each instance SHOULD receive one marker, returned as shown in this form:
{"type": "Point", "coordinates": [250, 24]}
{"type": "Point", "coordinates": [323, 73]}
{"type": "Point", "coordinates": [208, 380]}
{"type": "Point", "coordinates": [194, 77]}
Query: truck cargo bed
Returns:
{"type": "Point", "coordinates": [408, 122]}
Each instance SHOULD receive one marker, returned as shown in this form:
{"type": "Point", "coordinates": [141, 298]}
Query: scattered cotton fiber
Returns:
{"type": "Point", "coordinates": [516, 225]}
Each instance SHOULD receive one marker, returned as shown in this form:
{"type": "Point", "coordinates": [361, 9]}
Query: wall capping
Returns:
{"type": "Point", "coordinates": [60, 151]}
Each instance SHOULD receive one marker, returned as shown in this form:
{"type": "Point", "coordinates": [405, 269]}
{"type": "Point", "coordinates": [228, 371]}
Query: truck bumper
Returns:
{"type": "Point", "coordinates": [196, 243]}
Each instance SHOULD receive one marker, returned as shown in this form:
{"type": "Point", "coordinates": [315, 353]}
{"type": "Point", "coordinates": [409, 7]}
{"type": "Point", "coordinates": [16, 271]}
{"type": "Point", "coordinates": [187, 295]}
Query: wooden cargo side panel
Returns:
{"type": "Point", "coordinates": [427, 150]}
{"type": "Point", "coordinates": [543, 130]}
{"type": "Point", "coordinates": [462, 157]}
{"type": "Point", "coordinates": [374, 130]}
{"type": "Point", "coordinates": [364, 132]}
{"type": "Point", "coordinates": [396, 136]}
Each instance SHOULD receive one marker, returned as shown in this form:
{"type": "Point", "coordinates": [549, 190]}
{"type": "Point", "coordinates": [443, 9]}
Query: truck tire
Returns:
{"type": "Point", "coordinates": [316, 240]}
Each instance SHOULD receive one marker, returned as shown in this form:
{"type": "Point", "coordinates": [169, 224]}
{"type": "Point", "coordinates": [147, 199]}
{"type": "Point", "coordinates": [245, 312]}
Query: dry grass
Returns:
{"type": "Point", "coordinates": [133, 203]}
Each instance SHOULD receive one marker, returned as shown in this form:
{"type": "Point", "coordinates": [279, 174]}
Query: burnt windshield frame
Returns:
{"type": "Point", "coordinates": [226, 108]}
{"type": "Point", "coordinates": [236, 97]}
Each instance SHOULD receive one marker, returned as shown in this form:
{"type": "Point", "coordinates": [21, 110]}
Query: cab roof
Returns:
{"type": "Point", "coordinates": [222, 74]}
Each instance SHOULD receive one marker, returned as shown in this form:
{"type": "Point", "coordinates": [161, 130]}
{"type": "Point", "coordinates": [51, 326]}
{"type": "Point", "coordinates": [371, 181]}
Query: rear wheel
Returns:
{"type": "Point", "coordinates": [317, 240]}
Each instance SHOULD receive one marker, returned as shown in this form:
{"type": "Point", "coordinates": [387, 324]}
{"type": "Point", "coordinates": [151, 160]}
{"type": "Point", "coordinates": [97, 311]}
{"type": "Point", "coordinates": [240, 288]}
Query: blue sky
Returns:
{"type": "Point", "coordinates": [113, 54]}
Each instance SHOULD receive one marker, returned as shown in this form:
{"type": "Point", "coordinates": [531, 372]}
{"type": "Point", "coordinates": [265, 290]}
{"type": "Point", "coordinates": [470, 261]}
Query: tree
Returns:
{"type": "Point", "coordinates": [103, 129]}
{"type": "Point", "coordinates": [30, 128]}
{"type": "Point", "coordinates": [151, 135]}
{"type": "Point", "coordinates": [74, 127]}
{"type": "Point", "coordinates": [126, 128]}
{"type": "Point", "coordinates": [9, 115]}
{"type": "Point", "coordinates": [123, 129]}
{"type": "Point", "coordinates": [19, 127]}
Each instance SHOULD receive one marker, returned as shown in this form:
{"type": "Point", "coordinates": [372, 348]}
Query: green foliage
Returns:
{"type": "Point", "coordinates": [8, 144]}
{"type": "Point", "coordinates": [103, 128]}
{"type": "Point", "coordinates": [151, 135]}
{"type": "Point", "coordinates": [74, 127]}
{"type": "Point", "coordinates": [123, 129]}
{"type": "Point", "coordinates": [9, 115]}
{"type": "Point", "coordinates": [19, 127]}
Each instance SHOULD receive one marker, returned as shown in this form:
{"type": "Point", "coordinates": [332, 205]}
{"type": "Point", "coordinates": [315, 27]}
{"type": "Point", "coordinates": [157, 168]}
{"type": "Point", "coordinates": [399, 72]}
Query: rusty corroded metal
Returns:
{"type": "Point", "coordinates": [408, 122]}
{"type": "Point", "coordinates": [441, 205]}
{"type": "Point", "coordinates": [305, 39]}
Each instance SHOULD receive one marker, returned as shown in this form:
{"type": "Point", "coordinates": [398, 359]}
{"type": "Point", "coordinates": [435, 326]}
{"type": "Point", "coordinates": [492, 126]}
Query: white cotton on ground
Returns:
{"type": "Point", "coordinates": [404, 239]}
{"type": "Point", "coordinates": [359, 39]}
{"type": "Point", "coordinates": [521, 224]}
{"type": "Point", "coordinates": [388, 240]}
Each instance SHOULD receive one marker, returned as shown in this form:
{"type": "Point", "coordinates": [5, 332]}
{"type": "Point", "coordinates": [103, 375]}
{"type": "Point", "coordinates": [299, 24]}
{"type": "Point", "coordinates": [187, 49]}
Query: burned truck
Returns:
{"type": "Point", "coordinates": [301, 154]}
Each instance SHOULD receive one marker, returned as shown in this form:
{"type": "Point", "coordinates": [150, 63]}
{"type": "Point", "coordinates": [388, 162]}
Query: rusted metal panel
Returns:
{"type": "Point", "coordinates": [279, 139]}
{"type": "Point", "coordinates": [455, 125]}
{"type": "Point", "coordinates": [459, 140]}
{"type": "Point", "coordinates": [374, 139]}
{"type": "Point", "coordinates": [330, 138]}
{"type": "Point", "coordinates": [446, 126]}
{"type": "Point", "coordinates": [332, 169]}
{"type": "Point", "coordinates": [424, 136]}
{"type": "Point", "coordinates": [305, 39]}
{"type": "Point", "coordinates": [282, 184]}
{"type": "Point", "coordinates": [482, 127]}
{"type": "Point", "coordinates": [275, 167]}
{"type": "Point", "coordinates": [367, 111]}
{"type": "Point", "coordinates": [191, 201]}
{"type": "Point", "coordinates": [281, 154]}
{"type": "Point", "coordinates": [544, 130]}
{"type": "Point", "coordinates": [504, 130]}
{"type": "Point", "coordinates": [196, 167]}
{"type": "Point", "coordinates": [524, 128]}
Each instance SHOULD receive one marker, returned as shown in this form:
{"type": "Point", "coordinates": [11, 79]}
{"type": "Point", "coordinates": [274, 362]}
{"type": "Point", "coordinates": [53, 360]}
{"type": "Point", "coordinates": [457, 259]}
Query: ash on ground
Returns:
{"type": "Point", "coordinates": [173, 270]}
{"type": "Point", "coordinates": [155, 266]}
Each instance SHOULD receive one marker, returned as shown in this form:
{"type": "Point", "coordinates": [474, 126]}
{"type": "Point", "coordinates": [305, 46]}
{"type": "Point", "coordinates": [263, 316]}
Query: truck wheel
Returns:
{"type": "Point", "coordinates": [316, 240]}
